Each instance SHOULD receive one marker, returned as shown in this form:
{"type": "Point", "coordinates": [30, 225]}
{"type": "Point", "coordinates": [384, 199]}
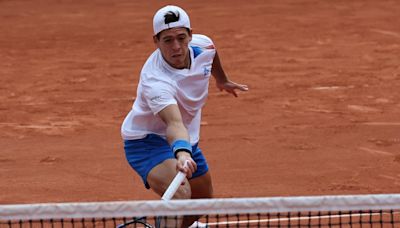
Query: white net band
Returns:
{"type": "Point", "coordinates": [199, 207]}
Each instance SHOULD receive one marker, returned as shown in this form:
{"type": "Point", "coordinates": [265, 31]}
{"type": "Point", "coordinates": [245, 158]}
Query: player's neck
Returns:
{"type": "Point", "coordinates": [188, 61]}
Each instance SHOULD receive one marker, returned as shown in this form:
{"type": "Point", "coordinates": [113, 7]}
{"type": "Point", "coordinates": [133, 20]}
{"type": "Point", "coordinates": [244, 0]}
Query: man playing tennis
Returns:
{"type": "Point", "coordinates": [161, 132]}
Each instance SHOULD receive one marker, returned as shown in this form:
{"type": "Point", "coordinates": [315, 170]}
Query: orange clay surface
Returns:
{"type": "Point", "coordinates": [322, 115]}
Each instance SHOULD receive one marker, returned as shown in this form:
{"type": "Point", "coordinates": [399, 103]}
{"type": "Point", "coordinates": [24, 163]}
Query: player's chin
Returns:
{"type": "Point", "coordinates": [177, 63]}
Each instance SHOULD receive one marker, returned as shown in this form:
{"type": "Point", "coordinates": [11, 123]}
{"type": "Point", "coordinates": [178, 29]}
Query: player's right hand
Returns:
{"type": "Point", "coordinates": [186, 163]}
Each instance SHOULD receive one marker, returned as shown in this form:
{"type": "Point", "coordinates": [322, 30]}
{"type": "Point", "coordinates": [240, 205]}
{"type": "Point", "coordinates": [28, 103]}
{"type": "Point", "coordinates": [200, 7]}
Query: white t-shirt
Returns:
{"type": "Point", "coordinates": [161, 85]}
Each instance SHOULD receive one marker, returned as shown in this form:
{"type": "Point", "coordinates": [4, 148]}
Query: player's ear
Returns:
{"type": "Point", "coordinates": [155, 39]}
{"type": "Point", "coordinates": [190, 32]}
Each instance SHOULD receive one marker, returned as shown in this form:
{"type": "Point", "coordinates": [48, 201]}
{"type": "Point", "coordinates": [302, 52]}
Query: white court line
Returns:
{"type": "Point", "coordinates": [386, 32]}
{"type": "Point", "coordinates": [378, 152]}
{"type": "Point", "coordinates": [275, 220]}
{"type": "Point", "coordinates": [381, 123]}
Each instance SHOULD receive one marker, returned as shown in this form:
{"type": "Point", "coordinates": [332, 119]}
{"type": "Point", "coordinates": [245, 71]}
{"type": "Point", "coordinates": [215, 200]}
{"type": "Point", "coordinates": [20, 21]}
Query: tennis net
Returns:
{"type": "Point", "coordinates": [377, 210]}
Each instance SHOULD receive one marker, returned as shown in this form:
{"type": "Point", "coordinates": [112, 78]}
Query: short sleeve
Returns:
{"type": "Point", "coordinates": [158, 96]}
{"type": "Point", "coordinates": [204, 41]}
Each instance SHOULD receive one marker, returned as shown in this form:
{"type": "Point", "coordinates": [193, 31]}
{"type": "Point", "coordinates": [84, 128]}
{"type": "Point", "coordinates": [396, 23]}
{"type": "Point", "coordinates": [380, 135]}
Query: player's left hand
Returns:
{"type": "Point", "coordinates": [231, 87]}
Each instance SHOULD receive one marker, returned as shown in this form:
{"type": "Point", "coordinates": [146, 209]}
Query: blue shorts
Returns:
{"type": "Point", "coordinates": [145, 154]}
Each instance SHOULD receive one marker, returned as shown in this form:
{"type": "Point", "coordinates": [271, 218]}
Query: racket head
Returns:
{"type": "Point", "coordinates": [136, 222]}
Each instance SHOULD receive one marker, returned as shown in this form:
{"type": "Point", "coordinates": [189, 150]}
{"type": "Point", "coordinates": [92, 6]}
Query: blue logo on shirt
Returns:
{"type": "Point", "coordinates": [206, 71]}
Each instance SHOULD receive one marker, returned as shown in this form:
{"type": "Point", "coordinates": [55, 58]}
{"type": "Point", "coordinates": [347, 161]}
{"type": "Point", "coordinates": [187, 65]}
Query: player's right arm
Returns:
{"type": "Point", "coordinates": [178, 138]}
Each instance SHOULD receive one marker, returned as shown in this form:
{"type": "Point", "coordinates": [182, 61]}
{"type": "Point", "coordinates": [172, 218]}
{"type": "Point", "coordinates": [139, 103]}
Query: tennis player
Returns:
{"type": "Point", "coordinates": [161, 131]}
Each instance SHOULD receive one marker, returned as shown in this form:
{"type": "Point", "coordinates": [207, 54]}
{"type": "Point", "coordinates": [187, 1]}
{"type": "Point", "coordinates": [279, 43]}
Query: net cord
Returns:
{"type": "Point", "coordinates": [199, 207]}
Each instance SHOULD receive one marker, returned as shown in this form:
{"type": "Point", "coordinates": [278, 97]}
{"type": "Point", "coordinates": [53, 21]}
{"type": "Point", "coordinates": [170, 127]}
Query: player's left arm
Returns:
{"type": "Point", "coordinates": [223, 82]}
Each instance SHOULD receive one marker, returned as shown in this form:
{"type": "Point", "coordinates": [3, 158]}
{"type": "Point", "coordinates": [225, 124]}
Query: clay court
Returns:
{"type": "Point", "coordinates": [322, 115]}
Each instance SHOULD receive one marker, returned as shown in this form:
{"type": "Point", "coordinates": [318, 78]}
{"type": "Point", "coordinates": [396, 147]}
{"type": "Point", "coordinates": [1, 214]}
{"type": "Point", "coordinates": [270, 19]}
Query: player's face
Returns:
{"type": "Point", "coordinates": [174, 46]}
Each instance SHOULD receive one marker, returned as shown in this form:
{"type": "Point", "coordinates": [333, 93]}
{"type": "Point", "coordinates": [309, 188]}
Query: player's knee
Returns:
{"type": "Point", "coordinates": [184, 191]}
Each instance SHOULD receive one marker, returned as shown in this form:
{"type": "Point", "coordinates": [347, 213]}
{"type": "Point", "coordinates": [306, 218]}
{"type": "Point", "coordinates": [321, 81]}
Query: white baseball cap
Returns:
{"type": "Point", "coordinates": [160, 23]}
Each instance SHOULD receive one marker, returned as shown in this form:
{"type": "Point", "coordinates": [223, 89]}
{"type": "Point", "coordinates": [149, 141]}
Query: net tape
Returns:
{"type": "Point", "coordinates": [120, 209]}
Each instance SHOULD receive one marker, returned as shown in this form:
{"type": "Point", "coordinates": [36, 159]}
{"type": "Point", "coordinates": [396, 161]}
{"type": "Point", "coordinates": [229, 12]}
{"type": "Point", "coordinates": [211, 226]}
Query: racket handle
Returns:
{"type": "Point", "coordinates": [173, 187]}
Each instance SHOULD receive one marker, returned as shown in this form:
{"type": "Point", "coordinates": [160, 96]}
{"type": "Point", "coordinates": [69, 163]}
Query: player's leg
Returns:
{"type": "Point", "coordinates": [159, 178]}
{"type": "Point", "coordinates": [200, 182]}
{"type": "Point", "coordinates": [201, 187]}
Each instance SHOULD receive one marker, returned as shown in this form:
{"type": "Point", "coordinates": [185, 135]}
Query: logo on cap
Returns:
{"type": "Point", "coordinates": [170, 17]}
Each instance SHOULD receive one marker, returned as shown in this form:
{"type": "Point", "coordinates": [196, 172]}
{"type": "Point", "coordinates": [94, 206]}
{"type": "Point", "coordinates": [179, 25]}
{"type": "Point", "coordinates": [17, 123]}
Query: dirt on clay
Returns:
{"type": "Point", "coordinates": [322, 115]}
